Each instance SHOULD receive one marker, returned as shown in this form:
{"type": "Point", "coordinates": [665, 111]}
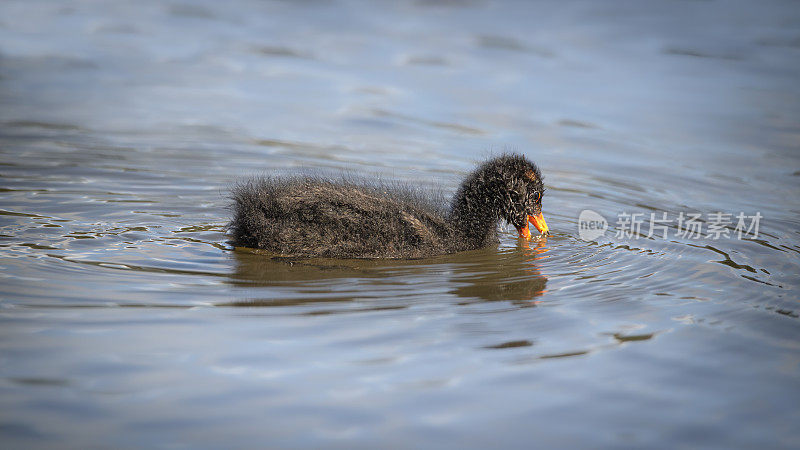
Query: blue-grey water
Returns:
{"type": "Point", "coordinates": [127, 319]}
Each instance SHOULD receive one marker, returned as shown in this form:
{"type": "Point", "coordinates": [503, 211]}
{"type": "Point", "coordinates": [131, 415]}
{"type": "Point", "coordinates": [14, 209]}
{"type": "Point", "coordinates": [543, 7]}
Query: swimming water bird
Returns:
{"type": "Point", "coordinates": [308, 216]}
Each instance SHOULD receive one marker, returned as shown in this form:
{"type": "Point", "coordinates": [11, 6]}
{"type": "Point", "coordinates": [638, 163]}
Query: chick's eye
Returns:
{"type": "Point", "coordinates": [535, 196]}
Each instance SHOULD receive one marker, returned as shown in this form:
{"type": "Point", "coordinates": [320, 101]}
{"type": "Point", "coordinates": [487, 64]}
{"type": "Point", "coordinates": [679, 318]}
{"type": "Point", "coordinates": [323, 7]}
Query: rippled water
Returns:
{"type": "Point", "coordinates": [129, 320]}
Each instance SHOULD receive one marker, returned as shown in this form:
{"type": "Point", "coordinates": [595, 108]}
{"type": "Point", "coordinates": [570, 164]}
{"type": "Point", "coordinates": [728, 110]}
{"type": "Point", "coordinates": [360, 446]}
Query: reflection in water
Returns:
{"type": "Point", "coordinates": [304, 281]}
{"type": "Point", "coordinates": [489, 275]}
{"type": "Point", "coordinates": [511, 276]}
{"type": "Point", "coordinates": [260, 268]}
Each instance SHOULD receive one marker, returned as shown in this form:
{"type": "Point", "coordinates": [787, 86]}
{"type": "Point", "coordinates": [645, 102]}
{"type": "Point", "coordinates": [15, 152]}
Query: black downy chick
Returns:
{"type": "Point", "coordinates": [314, 217]}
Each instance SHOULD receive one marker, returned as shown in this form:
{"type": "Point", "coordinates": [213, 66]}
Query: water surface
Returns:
{"type": "Point", "coordinates": [128, 319]}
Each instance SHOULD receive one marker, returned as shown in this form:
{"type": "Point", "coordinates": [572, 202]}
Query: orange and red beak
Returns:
{"type": "Point", "coordinates": [538, 222]}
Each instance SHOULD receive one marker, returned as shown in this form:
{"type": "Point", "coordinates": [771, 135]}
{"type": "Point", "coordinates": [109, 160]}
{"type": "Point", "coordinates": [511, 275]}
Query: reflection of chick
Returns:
{"type": "Point", "coordinates": [513, 280]}
{"type": "Point", "coordinates": [309, 217]}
